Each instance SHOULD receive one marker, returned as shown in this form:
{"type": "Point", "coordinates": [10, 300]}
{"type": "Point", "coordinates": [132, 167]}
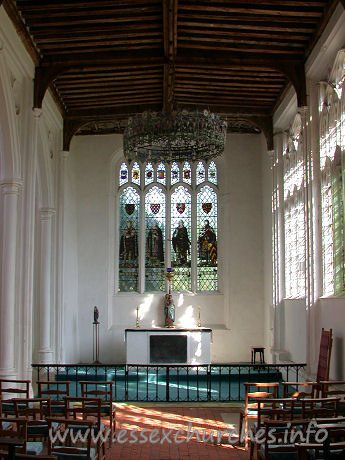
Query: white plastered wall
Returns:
{"type": "Point", "coordinates": [236, 314]}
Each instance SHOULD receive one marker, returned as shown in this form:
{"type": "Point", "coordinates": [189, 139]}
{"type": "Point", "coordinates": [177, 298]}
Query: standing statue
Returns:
{"type": "Point", "coordinates": [154, 244]}
{"type": "Point", "coordinates": [129, 243]}
{"type": "Point", "coordinates": [207, 244]}
{"type": "Point", "coordinates": [169, 310]}
{"type": "Point", "coordinates": [95, 315]}
{"type": "Point", "coordinates": [181, 243]}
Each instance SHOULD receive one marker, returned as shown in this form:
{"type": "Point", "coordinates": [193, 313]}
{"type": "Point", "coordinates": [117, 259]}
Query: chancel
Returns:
{"type": "Point", "coordinates": [171, 200]}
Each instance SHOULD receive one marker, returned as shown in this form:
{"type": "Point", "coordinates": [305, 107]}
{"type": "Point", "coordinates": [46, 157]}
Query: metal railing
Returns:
{"type": "Point", "coordinates": [170, 383]}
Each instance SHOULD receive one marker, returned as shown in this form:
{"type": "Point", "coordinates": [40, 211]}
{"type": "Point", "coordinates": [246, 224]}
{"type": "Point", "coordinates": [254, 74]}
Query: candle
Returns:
{"type": "Point", "coordinates": [137, 322]}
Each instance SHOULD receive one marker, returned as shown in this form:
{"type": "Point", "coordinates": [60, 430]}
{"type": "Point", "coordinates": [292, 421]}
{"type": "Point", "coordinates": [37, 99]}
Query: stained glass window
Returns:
{"type": "Point", "coordinates": [149, 174]}
{"type": "Point", "coordinates": [167, 215]}
{"type": "Point", "coordinates": [161, 174]}
{"type": "Point", "coordinates": [136, 173]}
{"type": "Point", "coordinates": [123, 176]}
{"type": "Point", "coordinates": [155, 238]}
{"type": "Point", "coordinates": [128, 248]}
{"type": "Point", "coordinates": [200, 173]}
{"type": "Point", "coordinates": [212, 173]}
{"type": "Point", "coordinates": [175, 173]}
{"type": "Point", "coordinates": [181, 205]}
{"type": "Point", "coordinates": [207, 276]}
{"type": "Point", "coordinates": [187, 173]}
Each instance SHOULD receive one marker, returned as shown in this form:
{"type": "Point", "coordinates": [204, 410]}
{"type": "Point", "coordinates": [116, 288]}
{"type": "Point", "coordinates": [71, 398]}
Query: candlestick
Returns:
{"type": "Point", "coordinates": [137, 322]}
{"type": "Point", "coordinates": [199, 321]}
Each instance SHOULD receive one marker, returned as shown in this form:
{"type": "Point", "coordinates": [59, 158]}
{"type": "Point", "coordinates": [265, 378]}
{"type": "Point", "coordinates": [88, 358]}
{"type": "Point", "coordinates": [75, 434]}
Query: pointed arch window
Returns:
{"type": "Point", "coordinates": [173, 223]}
{"type": "Point", "coordinates": [155, 239]}
{"type": "Point", "coordinates": [136, 173]}
{"type": "Point", "coordinates": [294, 213]}
{"type": "Point", "coordinates": [181, 224]}
{"type": "Point", "coordinates": [128, 248]}
{"type": "Point", "coordinates": [332, 148]}
{"type": "Point", "coordinates": [200, 173]}
{"type": "Point", "coordinates": [207, 271]}
{"type": "Point", "coordinates": [123, 174]}
{"type": "Point", "coordinates": [149, 174]}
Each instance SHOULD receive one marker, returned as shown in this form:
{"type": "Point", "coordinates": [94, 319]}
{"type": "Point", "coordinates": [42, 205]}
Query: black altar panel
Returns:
{"type": "Point", "coordinates": [167, 349]}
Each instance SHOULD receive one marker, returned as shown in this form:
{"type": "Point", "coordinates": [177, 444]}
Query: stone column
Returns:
{"type": "Point", "coordinates": [32, 122]}
{"type": "Point", "coordinates": [45, 352]}
{"type": "Point", "coordinates": [61, 193]}
{"type": "Point", "coordinates": [10, 191]}
{"type": "Point", "coordinates": [279, 265]}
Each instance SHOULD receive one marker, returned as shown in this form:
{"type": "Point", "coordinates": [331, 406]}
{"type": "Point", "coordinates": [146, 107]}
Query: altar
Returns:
{"type": "Point", "coordinates": [168, 346]}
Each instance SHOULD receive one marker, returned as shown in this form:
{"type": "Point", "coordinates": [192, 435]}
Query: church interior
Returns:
{"type": "Point", "coordinates": [222, 244]}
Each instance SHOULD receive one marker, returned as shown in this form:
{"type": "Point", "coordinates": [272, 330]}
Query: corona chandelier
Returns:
{"type": "Point", "coordinates": [174, 136]}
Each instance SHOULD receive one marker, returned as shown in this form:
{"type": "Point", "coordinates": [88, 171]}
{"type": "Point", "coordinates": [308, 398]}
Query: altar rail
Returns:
{"type": "Point", "coordinates": [162, 383]}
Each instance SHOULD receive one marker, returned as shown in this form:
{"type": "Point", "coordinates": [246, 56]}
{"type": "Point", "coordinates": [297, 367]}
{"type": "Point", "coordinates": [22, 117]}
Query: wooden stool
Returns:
{"type": "Point", "coordinates": [259, 350]}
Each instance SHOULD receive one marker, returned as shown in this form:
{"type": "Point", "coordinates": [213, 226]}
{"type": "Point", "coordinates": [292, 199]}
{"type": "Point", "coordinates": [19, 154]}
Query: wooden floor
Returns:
{"type": "Point", "coordinates": [151, 432]}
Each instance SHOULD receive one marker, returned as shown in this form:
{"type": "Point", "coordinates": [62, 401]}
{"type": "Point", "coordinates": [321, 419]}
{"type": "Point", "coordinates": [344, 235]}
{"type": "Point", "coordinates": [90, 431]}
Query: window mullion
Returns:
{"type": "Point", "coordinates": [168, 228]}
{"type": "Point", "coordinates": [194, 251]}
{"type": "Point", "coordinates": [142, 243]}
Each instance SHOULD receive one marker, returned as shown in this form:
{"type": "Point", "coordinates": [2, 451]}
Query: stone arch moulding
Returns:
{"type": "Point", "coordinates": [10, 161]}
{"type": "Point", "coordinates": [44, 172]}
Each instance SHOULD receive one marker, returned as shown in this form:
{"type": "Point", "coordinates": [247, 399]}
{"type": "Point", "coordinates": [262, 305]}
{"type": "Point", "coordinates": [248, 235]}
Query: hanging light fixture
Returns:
{"type": "Point", "coordinates": [174, 136]}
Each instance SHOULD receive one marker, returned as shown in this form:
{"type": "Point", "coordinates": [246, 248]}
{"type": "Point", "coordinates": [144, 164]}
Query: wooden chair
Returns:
{"type": "Point", "coordinates": [272, 409]}
{"type": "Point", "coordinates": [10, 388]}
{"type": "Point", "coordinates": [17, 437]}
{"type": "Point", "coordinates": [322, 371]}
{"type": "Point", "coordinates": [279, 439]}
{"type": "Point", "coordinates": [333, 446]}
{"type": "Point", "coordinates": [55, 390]}
{"type": "Point", "coordinates": [319, 407]}
{"type": "Point", "coordinates": [300, 389]}
{"type": "Point", "coordinates": [35, 411]}
{"type": "Point", "coordinates": [103, 390]}
{"type": "Point", "coordinates": [250, 408]}
{"type": "Point", "coordinates": [86, 409]}
{"type": "Point", "coordinates": [61, 446]}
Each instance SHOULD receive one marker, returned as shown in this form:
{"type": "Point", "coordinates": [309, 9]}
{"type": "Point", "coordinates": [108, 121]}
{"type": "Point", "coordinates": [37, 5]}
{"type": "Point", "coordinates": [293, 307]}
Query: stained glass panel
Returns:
{"type": "Point", "coordinates": [136, 173]}
{"type": "Point", "coordinates": [155, 238]}
{"type": "Point", "coordinates": [187, 173]}
{"type": "Point", "coordinates": [175, 173]}
{"type": "Point", "coordinates": [161, 174]}
{"type": "Point", "coordinates": [200, 173]}
{"type": "Point", "coordinates": [212, 173]}
{"type": "Point", "coordinates": [149, 174]}
{"type": "Point", "coordinates": [128, 251]}
{"type": "Point", "coordinates": [181, 238]}
{"type": "Point", "coordinates": [123, 177]}
{"type": "Point", "coordinates": [207, 270]}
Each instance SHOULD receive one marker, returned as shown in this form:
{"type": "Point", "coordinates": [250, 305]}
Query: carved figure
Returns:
{"type": "Point", "coordinates": [169, 310]}
{"type": "Point", "coordinates": [95, 315]}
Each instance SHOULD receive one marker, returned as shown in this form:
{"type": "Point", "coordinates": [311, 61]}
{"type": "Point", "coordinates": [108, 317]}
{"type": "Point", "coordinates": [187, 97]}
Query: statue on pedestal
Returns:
{"type": "Point", "coordinates": [95, 315]}
{"type": "Point", "coordinates": [169, 306]}
{"type": "Point", "coordinates": [169, 310]}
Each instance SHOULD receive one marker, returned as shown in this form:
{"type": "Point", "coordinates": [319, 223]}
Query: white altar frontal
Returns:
{"type": "Point", "coordinates": [168, 346]}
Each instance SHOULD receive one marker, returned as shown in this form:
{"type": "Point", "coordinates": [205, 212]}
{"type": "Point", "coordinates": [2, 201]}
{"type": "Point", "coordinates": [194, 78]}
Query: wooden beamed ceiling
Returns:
{"type": "Point", "coordinates": [107, 60]}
